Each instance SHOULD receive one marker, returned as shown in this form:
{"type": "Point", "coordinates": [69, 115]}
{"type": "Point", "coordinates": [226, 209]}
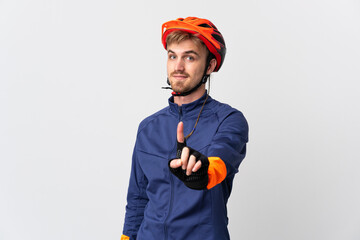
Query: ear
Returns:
{"type": "Point", "coordinates": [212, 66]}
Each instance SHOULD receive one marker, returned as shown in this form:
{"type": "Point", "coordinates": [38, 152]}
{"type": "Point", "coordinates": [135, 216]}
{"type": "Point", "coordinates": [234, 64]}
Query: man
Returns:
{"type": "Point", "coordinates": [180, 184]}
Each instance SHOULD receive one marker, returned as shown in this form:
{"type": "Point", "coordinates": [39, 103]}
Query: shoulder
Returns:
{"type": "Point", "coordinates": [159, 114]}
{"type": "Point", "coordinates": [223, 111]}
{"type": "Point", "coordinates": [230, 118]}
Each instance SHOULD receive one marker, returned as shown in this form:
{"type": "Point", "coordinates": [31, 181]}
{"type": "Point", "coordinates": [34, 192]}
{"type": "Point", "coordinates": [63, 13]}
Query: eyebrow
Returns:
{"type": "Point", "coordinates": [186, 52]}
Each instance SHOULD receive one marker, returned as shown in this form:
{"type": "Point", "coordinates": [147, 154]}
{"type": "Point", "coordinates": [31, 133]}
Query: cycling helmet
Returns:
{"type": "Point", "coordinates": [205, 30]}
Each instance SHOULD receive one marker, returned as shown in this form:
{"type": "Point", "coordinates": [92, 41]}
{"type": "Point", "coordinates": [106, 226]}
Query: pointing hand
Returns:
{"type": "Point", "coordinates": [188, 163]}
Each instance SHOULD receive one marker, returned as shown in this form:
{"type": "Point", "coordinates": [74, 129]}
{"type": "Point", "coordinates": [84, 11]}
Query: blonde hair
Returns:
{"type": "Point", "coordinates": [179, 36]}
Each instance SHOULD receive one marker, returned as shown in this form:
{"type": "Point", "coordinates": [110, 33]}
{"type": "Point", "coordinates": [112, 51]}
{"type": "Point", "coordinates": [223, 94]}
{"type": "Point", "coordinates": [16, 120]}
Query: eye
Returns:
{"type": "Point", "coordinates": [172, 57]}
{"type": "Point", "coordinates": [190, 58]}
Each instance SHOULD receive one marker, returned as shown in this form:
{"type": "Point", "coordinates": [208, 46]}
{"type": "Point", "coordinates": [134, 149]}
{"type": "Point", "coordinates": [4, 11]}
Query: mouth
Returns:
{"type": "Point", "coordinates": [179, 76]}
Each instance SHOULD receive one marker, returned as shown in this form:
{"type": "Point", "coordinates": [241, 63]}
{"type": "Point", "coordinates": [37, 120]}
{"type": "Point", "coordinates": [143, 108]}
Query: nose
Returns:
{"type": "Point", "coordinates": [179, 65]}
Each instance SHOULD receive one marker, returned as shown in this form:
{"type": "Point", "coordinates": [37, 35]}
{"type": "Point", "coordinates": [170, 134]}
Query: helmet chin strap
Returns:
{"type": "Point", "coordinates": [203, 81]}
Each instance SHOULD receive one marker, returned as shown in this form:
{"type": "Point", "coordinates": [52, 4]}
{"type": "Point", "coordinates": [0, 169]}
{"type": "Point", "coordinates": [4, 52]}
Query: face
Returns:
{"type": "Point", "coordinates": [185, 65]}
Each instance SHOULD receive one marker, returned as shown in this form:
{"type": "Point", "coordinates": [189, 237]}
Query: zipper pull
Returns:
{"type": "Point", "coordinates": [180, 113]}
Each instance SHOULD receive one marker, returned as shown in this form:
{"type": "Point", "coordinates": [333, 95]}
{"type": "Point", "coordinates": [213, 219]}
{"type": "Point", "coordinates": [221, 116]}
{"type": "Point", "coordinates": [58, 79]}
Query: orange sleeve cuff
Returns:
{"type": "Point", "coordinates": [216, 172]}
{"type": "Point", "coordinates": [124, 237]}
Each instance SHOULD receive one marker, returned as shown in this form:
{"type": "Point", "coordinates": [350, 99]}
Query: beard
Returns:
{"type": "Point", "coordinates": [180, 85]}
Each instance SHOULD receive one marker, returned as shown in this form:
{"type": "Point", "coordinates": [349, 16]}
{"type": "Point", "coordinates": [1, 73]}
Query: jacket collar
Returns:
{"type": "Point", "coordinates": [191, 109]}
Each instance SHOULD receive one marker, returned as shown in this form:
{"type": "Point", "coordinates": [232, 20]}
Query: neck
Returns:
{"type": "Point", "coordinates": [180, 100]}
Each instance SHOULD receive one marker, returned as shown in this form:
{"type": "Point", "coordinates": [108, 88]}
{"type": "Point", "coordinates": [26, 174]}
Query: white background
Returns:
{"type": "Point", "coordinates": [77, 77]}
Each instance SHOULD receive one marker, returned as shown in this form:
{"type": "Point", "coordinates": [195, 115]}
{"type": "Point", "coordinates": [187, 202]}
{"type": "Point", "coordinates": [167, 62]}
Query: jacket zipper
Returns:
{"type": "Point", "coordinates": [180, 114]}
{"type": "Point", "coordinates": [171, 187]}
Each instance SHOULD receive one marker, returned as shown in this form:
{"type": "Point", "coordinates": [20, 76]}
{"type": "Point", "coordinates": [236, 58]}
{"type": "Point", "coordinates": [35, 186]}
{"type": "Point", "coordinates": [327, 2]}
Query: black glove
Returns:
{"type": "Point", "coordinates": [196, 180]}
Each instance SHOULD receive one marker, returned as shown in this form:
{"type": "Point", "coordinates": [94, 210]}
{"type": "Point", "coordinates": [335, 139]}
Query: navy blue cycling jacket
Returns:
{"type": "Point", "coordinates": [159, 205]}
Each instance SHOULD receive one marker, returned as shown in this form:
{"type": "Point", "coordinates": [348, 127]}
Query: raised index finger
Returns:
{"type": "Point", "coordinates": [180, 132]}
